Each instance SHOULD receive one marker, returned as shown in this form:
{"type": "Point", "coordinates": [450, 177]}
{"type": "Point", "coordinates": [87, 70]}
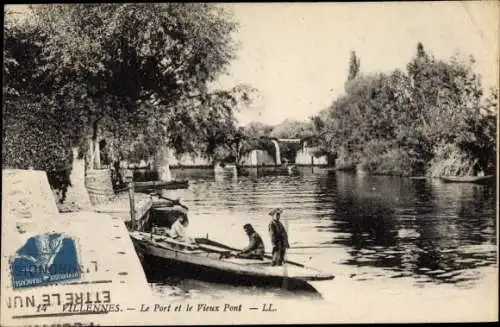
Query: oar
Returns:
{"type": "Point", "coordinates": [267, 256]}
{"type": "Point", "coordinates": [223, 253]}
{"type": "Point", "coordinates": [312, 247]}
{"type": "Point", "coordinates": [212, 248]}
{"type": "Point", "coordinates": [286, 261]}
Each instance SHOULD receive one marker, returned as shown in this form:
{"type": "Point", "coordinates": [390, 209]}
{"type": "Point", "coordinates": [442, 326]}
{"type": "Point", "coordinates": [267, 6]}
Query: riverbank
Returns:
{"type": "Point", "coordinates": [381, 159]}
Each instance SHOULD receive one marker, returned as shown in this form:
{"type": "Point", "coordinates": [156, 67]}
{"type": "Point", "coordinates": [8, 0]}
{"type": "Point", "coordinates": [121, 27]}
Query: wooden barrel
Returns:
{"type": "Point", "coordinates": [99, 186]}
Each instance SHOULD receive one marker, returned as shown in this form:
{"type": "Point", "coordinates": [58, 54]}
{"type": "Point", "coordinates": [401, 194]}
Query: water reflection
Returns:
{"type": "Point", "coordinates": [430, 231]}
{"type": "Point", "coordinates": [420, 228]}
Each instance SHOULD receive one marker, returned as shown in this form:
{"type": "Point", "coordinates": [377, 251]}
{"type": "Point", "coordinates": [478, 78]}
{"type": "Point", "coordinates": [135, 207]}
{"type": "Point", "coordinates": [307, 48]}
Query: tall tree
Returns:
{"type": "Point", "coordinates": [354, 66]}
{"type": "Point", "coordinates": [145, 66]}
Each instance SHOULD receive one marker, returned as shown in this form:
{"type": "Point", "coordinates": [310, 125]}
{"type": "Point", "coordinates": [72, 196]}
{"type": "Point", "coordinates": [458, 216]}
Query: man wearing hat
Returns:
{"type": "Point", "coordinates": [255, 248]}
{"type": "Point", "coordinates": [279, 237]}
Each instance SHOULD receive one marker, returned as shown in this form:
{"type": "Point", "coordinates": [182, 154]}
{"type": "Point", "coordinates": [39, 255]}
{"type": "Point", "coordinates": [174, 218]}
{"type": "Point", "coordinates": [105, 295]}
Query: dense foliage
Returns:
{"type": "Point", "coordinates": [133, 73]}
{"type": "Point", "coordinates": [433, 118]}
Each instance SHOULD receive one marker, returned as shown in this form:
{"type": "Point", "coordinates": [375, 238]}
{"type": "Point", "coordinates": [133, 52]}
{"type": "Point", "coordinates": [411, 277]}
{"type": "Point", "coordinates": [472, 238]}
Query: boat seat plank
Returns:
{"type": "Point", "coordinates": [213, 248]}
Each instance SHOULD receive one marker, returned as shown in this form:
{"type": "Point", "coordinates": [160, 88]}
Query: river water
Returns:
{"type": "Point", "coordinates": [388, 238]}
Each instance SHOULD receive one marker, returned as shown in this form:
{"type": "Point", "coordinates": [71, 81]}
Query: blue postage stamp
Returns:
{"type": "Point", "coordinates": [45, 259]}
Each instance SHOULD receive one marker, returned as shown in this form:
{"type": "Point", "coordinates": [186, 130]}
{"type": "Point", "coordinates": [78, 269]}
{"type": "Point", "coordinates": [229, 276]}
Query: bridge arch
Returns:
{"type": "Point", "coordinates": [278, 151]}
{"type": "Point", "coordinates": [278, 155]}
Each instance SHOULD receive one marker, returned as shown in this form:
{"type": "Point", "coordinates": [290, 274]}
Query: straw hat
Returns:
{"type": "Point", "coordinates": [275, 211]}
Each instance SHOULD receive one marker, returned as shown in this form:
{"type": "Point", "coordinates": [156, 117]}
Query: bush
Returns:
{"type": "Point", "coordinates": [345, 160]}
{"type": "Point", "coordinates": [33, 140]}
{"type": "Point", "coordinates": [394, 161]}
{"type": "Point", "coordinates": [450, 160]}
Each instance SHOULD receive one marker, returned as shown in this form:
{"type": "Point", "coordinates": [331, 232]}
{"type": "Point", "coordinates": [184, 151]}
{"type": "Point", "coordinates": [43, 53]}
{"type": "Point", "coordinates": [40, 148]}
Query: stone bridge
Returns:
{"type": "Point", "coordinates": [303, 141]}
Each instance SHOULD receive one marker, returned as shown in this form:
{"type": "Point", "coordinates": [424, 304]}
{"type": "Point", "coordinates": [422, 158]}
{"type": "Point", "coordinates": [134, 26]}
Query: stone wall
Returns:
{"type": "Point", "coordinates": [304, 157]}
{"type": "Point", "coordinates": [257, 158]}
{"type": "Point", "coordinates": [187, 160]}
{"type": "Point", "coordinates": [253, 158]}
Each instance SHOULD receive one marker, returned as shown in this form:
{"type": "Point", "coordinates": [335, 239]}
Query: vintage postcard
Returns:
{"type": "Point", "coordinates": [249, 163]}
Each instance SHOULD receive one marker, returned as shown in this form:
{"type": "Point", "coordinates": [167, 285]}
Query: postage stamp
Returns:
{"type": "Point", "coordinates": [45, 259]}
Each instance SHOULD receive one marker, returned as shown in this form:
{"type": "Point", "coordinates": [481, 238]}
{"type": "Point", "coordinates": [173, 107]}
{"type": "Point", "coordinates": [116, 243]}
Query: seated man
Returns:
{"type": "Point", "coordinates": [178, 230]}
{"type": "Point", "coordinates": [255, 249]}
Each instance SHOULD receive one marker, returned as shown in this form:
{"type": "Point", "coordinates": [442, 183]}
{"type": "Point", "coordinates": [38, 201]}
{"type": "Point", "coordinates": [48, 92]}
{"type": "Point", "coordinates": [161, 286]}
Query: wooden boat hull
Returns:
{"type": "Point", "coordinates": [160, 259]}
{"type": "Point", "coordinates": [156, 269]}
{"type": "Point", "coordinates": [160, 185]}
{"type": "Point", "coordinates": [468, 179]}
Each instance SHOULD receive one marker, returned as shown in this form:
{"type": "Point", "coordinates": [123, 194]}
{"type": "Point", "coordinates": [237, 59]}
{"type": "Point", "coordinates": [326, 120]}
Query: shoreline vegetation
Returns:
{"type": "Point", "coordinates": [432, 120]}
{"type": "Point", "coordinates": [83, 76]}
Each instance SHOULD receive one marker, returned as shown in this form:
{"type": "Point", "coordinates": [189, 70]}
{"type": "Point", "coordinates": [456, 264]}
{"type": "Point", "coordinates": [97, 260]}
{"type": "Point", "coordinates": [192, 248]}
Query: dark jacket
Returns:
{"type": "Point", "coordinates": [279, 236]}
{"type": "Point", "coordinates": [256, 244]}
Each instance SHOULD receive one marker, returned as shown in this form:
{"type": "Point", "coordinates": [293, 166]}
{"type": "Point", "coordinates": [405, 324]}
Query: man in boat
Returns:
{"type": "Point", "coordinates": [279, 237]}
{"type": "Point", "coordinates": [255, 248]}
{"type": "Point", "coordinates": [178, 231]}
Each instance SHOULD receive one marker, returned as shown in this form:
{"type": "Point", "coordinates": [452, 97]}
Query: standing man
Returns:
{"type": "Point", "coordinates": [279, 237]}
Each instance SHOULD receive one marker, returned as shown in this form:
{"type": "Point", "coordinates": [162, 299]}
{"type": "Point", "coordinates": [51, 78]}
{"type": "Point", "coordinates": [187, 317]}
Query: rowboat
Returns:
{"type": "Point", "coordinates": [211, 261]}
{"type": "Point", "coordinates": [160, 185]}
{"type": "Point", "coordinates": [467, 179]}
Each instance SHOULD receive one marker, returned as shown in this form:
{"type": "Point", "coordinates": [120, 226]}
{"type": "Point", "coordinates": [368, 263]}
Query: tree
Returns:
{"type": "Point", "coordinates": [152, 74]}
{"type": "Point", "coordinates": [432, 115]}
{"type": "Point", "coordinates": [354, 66]}
{"type": "Point", "coordinates": [292, 129]}
{"type": "Point", "coordinates": [258, 129]}
{"type": "Point", "coordinates": [33, 134]}
{"type": "Point", "coordinates": [147, 67]}
{"type": "Point", "coordinates": [10, 63]}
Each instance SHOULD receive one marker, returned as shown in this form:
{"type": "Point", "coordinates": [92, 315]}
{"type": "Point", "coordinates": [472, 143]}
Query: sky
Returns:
{"type": "Point", "coordinates": [297, 54]}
